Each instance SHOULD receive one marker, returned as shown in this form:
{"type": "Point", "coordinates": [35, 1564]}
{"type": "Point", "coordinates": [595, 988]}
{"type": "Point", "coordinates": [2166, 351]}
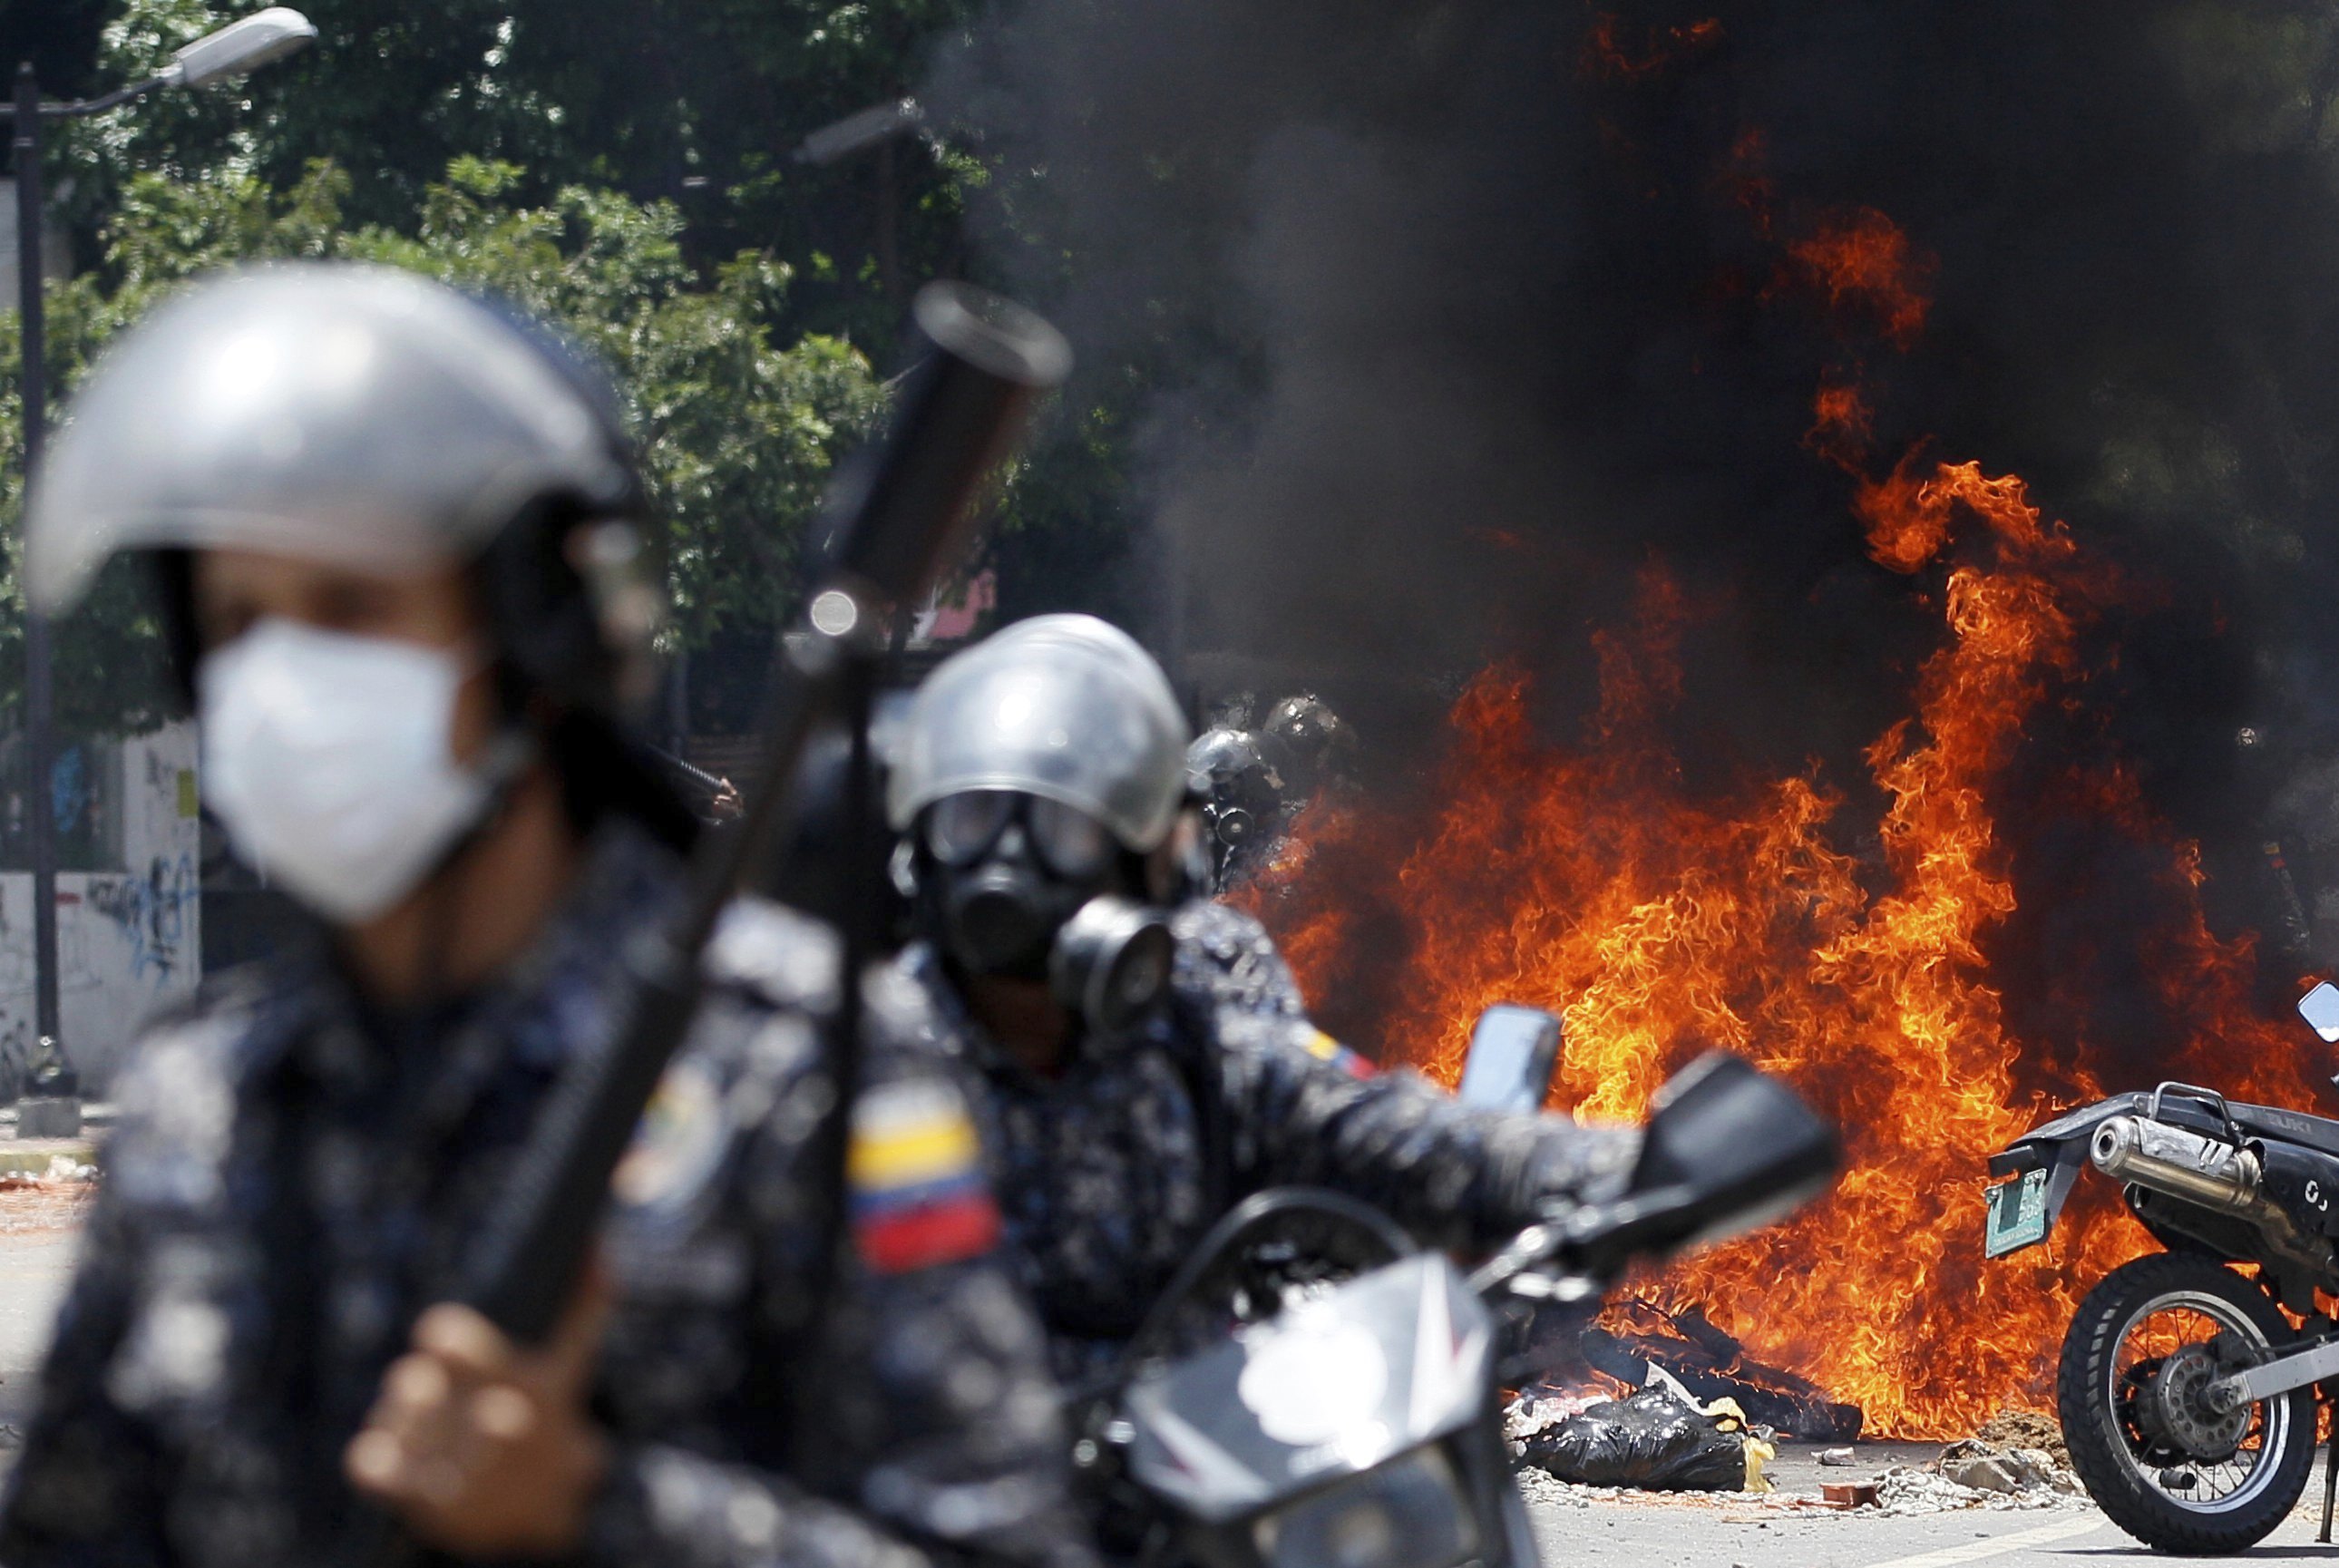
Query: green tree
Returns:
{"type": "Point", "coordinates": [695, 103]}
{"type": "Point", "coordinates": [649, 143]}
{"type": "Point", "coordinates": [737, 434]}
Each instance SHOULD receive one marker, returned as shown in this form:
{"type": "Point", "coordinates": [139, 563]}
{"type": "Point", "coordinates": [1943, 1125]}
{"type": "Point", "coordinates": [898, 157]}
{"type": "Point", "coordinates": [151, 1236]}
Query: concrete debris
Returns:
{"type": "Point", "coordinates": [1850, 1493]}
{"type": "Point", "coordinates": [1837, 1456]}
{"type": "Point", "coordinates": [1985, 1472]}
{"type": "Point", "coordinates": [2026, 1429]}
{"type": "Point", "coordinates": [1906, 1490]}
{"type": "Point", "coordinates": [1988, 1468]}
{"type": "Point", "coordinates": [1541, 1488]}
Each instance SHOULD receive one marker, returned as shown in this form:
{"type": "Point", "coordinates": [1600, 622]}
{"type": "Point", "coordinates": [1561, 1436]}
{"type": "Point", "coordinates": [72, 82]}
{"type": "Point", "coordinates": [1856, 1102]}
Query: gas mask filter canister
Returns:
{"type": "Point", "coordinates": [1110, 963]}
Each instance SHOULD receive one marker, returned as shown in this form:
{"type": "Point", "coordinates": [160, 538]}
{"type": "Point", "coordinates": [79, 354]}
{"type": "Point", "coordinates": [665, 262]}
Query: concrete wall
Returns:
{"type": "Point", "coordinates": [129, 942]}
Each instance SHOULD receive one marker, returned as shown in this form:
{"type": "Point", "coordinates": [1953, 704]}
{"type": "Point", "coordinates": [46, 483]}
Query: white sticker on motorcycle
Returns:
{"type": "Point", "coordinates": [1310, 1382]}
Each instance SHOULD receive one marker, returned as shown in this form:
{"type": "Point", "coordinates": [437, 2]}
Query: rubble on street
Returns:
{"type": "Point", "coordinates": [2026, 1429]}
{"type": "Point", "coordinates": [1944, 1486]}
{"type": "Point", "coordinates": [29, 1207]}
{"type": "Point", "coordinates": [2013, 1462]}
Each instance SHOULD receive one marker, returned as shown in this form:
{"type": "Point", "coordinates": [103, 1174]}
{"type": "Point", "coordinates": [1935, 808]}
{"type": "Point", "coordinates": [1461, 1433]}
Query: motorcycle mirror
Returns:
{"type": "Point", "coordinates": [1727, 1147]}
{"type": "Point", "coordinates": [2320, 1009]}
{"type": "Point", "coordinates": [1512, 1051]}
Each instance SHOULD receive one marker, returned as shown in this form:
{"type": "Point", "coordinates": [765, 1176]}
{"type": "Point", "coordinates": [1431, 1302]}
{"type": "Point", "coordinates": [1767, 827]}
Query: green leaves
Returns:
{"type": "Point", "coordinates": [737, 434]}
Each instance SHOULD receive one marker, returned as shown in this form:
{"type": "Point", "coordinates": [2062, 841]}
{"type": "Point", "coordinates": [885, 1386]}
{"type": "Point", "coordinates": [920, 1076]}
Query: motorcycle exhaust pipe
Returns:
{"type": "Point", "coordinates": [2165, 1159]}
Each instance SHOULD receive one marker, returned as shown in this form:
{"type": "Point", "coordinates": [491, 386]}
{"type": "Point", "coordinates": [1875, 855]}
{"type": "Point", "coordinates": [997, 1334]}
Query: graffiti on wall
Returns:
{"type": "Point", "coordinates": [152, 911]}
{"type": "Point", "coordinates": [129, 916]}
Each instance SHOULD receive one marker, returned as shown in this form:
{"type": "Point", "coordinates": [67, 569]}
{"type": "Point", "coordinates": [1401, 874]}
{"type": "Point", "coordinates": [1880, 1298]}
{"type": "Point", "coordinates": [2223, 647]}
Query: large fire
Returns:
{"type": "Point", "coordinates": [1583, 879]}
{"type": "Point", "coordinates": [1588, 879]}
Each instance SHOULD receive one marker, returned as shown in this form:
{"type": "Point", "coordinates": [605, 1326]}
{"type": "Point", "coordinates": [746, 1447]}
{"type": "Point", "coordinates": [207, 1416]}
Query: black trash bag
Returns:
{"type": "Point", "coordinates": [1652, 1440]}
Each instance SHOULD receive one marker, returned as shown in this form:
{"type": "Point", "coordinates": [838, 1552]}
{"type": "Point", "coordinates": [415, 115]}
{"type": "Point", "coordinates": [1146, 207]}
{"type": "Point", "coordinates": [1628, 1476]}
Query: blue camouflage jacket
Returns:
{"type": "Point", "coordinates": [292, 1181]}
{"type": "Point", "coordinates": [1103, 1172]}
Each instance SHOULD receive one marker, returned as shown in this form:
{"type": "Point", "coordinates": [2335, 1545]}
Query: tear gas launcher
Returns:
{"type": "Point", "coordinates": [894, 524]}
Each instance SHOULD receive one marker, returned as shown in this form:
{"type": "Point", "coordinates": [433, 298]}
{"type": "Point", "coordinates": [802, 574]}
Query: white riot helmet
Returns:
{"type": "Point", "coordinates": [1064, 707]}
{"type": "Point", "coordinates": [329, 411]}
{"type": "Point", "coordinates": [360, 415]}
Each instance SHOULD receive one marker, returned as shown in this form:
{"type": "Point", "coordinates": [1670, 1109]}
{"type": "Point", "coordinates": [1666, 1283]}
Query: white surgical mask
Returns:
{"type": "Point", "coordinates": [327, 757]}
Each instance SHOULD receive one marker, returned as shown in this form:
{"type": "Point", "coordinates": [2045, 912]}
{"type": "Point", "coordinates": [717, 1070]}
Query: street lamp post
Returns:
{"type": "Point", "coordinates": [231, 52]}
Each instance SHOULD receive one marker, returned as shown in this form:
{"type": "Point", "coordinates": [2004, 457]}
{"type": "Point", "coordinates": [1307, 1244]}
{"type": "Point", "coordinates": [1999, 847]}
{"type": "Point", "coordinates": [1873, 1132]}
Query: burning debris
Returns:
{"type": "Point", "coordinates": [1711, 1365]}
{"type": "Point", "coordinates": [1594, 880]}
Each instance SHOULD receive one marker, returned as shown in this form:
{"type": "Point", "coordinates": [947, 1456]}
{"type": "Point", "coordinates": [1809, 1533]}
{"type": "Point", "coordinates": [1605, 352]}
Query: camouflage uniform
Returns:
{"type": "Point", "coordinates": [292, 1180]}
{"type": "Point", "coordinates": [1103, 1172]}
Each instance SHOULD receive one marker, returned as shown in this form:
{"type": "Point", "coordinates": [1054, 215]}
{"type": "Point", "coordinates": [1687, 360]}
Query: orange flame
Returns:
{"type": "Point", "coordinates": [1587, 879]}
{"type": "Point", "coordinates": [1858, 257]}
{"type": "Point", "coordinates": [1590, 879]}
{"type": "Point", "coordinates": [1842, 424]}
{"type": "Point", "coordinates": [1607, 52]}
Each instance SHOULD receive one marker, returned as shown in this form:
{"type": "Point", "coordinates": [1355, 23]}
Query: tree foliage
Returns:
{"type": "Point", "coordinates": [695, 103]}
{"type": "Point", "coordinates": [624, 165]}
{"type": "Point", "coordinates": [738, 433]}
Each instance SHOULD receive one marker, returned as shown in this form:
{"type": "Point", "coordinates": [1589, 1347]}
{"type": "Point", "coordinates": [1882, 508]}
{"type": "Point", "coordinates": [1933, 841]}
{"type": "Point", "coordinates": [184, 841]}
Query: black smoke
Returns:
{"type": "Point", "coordinates": [1450, 321]}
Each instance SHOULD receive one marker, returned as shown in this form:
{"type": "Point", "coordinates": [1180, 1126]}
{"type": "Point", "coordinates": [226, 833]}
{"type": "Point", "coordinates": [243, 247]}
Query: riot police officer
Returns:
{"type": "Point", "coordinates": [1314, 744]}
{"type": "Point", "coordinates": [396, 532]}
{"type": "Point", "coordinates": [1241, 800]}
{"type": "Point", "coordinates": [1041, 780]}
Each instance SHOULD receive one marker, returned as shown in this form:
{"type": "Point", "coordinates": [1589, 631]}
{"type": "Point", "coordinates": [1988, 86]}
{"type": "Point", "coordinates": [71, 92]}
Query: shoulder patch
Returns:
{"type": "Point", "coordinates": [1324, 1048]}
{"type": "Point", "coordinates": [788, 957]}
{"type": "Point", "coordinates": [679, 1144]}
{"type": "Point", "coordinates": [919, 1197]}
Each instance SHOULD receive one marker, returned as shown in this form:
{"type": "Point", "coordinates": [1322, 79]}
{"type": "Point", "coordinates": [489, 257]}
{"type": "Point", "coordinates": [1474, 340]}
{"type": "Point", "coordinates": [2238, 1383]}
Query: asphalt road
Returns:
{"type": "Point", "coordinates": [1783, 1530]}
{"type": "Point", "coordinates": [1786, 1530]}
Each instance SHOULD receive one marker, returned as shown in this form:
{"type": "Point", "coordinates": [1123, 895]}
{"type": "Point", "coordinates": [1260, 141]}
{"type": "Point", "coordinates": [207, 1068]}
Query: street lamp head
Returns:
{"type": "Point", "coordinates": [240, 47]}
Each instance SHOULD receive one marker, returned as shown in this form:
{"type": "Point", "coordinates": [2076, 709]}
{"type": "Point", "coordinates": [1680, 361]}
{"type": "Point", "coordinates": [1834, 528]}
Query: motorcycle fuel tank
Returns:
{"type": "Point", "coordinates": [1334, 1386]}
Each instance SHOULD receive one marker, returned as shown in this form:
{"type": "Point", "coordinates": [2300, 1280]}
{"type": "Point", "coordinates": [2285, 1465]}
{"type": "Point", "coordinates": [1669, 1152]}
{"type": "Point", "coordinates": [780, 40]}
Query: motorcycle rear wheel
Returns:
{"type": "Point", "coordinates": [2143, 1316]}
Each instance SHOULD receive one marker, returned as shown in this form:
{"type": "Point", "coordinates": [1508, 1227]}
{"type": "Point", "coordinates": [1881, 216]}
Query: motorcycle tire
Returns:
{"type": "Point", "coordinates": [2117, 1460]}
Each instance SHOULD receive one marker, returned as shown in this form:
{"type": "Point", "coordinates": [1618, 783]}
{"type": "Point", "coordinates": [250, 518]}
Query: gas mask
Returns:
{"type": "Point", "coordinates": [1022, 887]}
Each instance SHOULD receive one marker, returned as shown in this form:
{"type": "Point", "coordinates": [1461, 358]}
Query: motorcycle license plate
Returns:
{"type": "Point", "coordinates": [2016, 1214]}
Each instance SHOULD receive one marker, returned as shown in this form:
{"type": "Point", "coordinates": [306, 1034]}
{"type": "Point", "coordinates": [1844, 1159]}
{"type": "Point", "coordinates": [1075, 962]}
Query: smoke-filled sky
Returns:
{"type": "Point", "coordinates": [1457, 315]}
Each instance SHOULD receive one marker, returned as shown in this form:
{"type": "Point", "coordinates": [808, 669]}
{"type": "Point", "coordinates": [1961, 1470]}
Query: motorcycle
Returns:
{"type": "Point", "coordinates": [1314, 1390]}
{"type": "Point", "coordinates": [2187, 1397]}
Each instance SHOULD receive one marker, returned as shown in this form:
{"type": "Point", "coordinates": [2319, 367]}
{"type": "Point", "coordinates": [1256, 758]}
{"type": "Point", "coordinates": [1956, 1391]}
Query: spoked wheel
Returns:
{"type": "Point", "coordinates": [2170, 1469]}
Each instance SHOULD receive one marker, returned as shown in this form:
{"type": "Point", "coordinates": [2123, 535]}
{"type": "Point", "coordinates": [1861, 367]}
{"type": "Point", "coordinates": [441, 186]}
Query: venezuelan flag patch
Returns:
{"type": "Point", "coordinates": [1324, 1048]}
{"type": "Point", "coordinates": [919, 1197]}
